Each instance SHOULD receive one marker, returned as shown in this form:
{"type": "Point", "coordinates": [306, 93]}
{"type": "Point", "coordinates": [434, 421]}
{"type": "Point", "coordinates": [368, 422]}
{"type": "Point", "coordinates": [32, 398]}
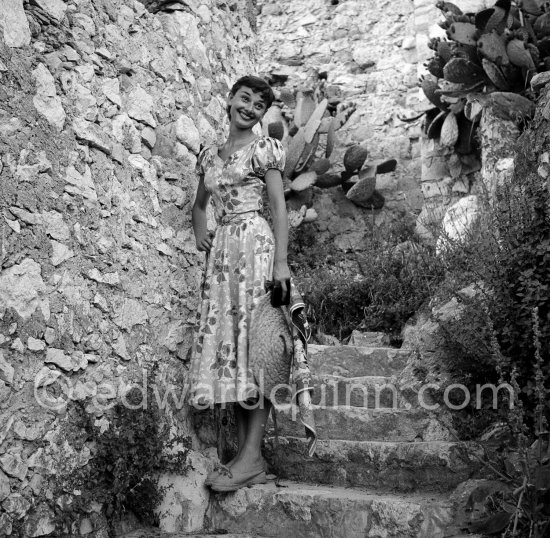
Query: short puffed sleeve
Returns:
{"type": "Point", "coordinates": [268, 153]}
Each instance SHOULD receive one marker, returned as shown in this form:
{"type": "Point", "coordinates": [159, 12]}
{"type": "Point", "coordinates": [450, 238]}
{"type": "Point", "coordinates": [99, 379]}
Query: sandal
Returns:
{"type": "Point", "coordinates": [228, 481]}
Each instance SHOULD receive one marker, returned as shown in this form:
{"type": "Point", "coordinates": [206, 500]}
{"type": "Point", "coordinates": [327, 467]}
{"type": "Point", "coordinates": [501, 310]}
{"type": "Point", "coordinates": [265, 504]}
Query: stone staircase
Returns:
{"type": "Point", "coordinates": [384, 466]}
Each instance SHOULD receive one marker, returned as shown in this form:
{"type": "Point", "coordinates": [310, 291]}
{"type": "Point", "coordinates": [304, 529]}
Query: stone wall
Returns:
{"type": "Point", "coordinates": [103, 107]}
{"type": "Point", "coordinates": [367, 50]}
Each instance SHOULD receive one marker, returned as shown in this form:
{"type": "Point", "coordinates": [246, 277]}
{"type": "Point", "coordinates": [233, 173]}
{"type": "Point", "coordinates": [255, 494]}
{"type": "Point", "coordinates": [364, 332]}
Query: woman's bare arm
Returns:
{"type": "Point", "coordinates": [274, 183]}
{"type": "Point", "coordinates": [198, 218]}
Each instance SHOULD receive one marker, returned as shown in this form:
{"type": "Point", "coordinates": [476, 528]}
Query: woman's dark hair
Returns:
{"type": "Point", "coordinates": [257, 85]}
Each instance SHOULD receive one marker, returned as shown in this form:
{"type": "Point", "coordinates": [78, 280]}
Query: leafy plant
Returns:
{"type": "Point", "coordinates": [305, 123]}
{"type": "Point", "coordinates": [503, 334]}
{"type": "Point", "coordinates": [508, 255]}
{"type": "Point", "coordinates": [122, 474]}
{"type": "Point", "coordinates": [378, 291]}
{"type": "Point", "coordinates": [521, 508]}
{"type": "Point", "coordinates": [489, 55]}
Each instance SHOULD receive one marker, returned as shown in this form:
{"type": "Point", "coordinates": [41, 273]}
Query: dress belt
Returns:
{"type": "Point", "coordinates": [236, 217]}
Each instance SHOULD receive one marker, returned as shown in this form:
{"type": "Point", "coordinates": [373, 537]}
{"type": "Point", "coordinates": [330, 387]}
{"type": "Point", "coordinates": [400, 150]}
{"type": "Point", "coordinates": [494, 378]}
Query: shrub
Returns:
{"type": "Point", "coordinates": [122, 474]}
{"type": "Point", "coordinates": [521, 506]}
{"type": "Point", "coordinates": [378, 290]}
{"type": "Point", "coordinates": [509, 253]}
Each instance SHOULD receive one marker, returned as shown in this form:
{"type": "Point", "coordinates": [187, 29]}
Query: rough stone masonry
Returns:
{"type": "Point", "coordinates": [103, 106]}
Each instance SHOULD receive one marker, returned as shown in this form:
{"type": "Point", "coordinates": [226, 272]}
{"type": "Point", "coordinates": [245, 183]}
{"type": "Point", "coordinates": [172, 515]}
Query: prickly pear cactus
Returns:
{"type": "Point", "coordinates": [496, 50]}
{"type": "Point", "coordinates": [308, 129]}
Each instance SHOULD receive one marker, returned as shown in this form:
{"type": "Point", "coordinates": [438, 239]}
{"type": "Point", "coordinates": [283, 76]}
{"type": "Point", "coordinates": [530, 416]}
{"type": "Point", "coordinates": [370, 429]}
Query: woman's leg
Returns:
{"type": "Point", "coordinates": [250, 456]}
{"type": "Point", "coordinates": [241, 420]}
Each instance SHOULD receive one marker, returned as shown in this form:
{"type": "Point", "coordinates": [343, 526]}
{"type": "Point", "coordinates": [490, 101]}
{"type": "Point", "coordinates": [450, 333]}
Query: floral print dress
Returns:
{"type": "Point", "coordinates": [237, 267]}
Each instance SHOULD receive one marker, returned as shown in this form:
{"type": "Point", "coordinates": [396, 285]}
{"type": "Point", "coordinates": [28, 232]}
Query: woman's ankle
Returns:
{"type": "Point", "coordinates": [250, 459]}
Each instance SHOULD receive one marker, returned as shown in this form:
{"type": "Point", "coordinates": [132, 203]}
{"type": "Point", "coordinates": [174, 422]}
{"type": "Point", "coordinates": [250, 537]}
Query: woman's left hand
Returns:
{"type": "Point", "coordinates": [281, 273]}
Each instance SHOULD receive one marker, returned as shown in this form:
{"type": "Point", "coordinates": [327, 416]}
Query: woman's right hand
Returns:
{"type": "Point", "coordinates": [204, 242]}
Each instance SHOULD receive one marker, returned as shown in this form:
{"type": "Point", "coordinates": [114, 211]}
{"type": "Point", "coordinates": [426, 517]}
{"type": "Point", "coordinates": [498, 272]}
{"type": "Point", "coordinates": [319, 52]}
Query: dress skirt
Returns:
{"type": "Point", "coordinates": [237, 267]}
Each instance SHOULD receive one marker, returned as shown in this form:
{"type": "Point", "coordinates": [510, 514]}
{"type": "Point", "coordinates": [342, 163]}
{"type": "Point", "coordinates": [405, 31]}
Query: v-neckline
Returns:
{"type": "Point", "coordinates": [224, 161]}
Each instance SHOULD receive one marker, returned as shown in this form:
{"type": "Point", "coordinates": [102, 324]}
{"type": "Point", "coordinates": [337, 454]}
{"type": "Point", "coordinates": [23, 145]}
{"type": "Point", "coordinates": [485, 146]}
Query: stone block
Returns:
{"type": "Point", "coordinates": [185, 504]}
{"type": "Point", "coordinates": [312, 510]}
{"type": "Point", "coordinates": [361, 424]}
{"type": "Point", "coordinates": [458, 221]}
{"type": "Point", "coordinates": [7, 371]}
{"type": "Point", "coordinates": [14, 24]}
{"type": "Point", "coordinates": [354, 361]}
{"type": "Point", "coordinates": [21, 287]}
{"type": "Point", "coordinates": [434, 466]}
{"type": "Point", "coordinates": [92, 134]}
{"type": "Point", "coordinates": [5, 488]}
{"type": "Point", "coordinates": [46, 101]}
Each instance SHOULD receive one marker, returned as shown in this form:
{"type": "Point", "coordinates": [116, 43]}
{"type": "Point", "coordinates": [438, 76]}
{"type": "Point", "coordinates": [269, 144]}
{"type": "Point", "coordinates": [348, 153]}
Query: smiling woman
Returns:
{"type": "Point", "coordinates": [247, 107]}
{"type": "Point", "coordinates": [241, 256]}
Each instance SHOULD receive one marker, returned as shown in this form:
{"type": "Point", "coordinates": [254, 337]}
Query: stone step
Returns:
{"type": "Point", "coordinates": [365, 391]}
{"type": "Point", "coordinates": [155, 532]}
{"type": "Point", "coordinates": [353, 361]}
{"type": "Point", "coordinates": [367, 338]}
{"type": "Point", "coordinates": [361, 424]}
{"type": "Point", "coordinates": [315, 511]}
{"type": "Point", "coordinates": [391, 466]}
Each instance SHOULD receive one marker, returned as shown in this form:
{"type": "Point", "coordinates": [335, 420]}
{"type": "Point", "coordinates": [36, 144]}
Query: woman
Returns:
{"type": "Point", "coordinates": [242, 255]}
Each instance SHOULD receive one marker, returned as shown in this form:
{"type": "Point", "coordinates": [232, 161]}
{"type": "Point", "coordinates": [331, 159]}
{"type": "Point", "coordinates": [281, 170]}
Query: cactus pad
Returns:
{"type": "Point", "coordinates": [363, 189]}
{"type": "Point", "coordinates": [494, 18]}
{"type": "Point", "coordinates": [519, 55]}
{"type": "Point", "coordinates": [320, 166]}
{"type": "Point", "coordinates": [276, 130]}
{"type": "Point", "coordinates": [326, 181]}
{"type": "Point", "coordinates": [449, 131]}
{"type": "Point", "coordinates": [435, 66]}
{"type": "Point", "coordinates": [492, 47]}
{"type": "Point", "coordinates": [287, 97]}
{"type": "Point", "coordinates": [430, 87]}
{"type": "Point", "coordinates": [295, 149]}
{"type": "Point", "coordinates": [308, 155]}
{"type": "Point", "coordinates": [303, 181]}
{"type": "Point", "coordinates": [448, 7]}
{"type": "Point", "coordinates": [462, 71]}
{"type": "Point", "coordinates": [444, 50]}
{"type": "Point", "coordinates": [385, 167]}
{"type": "Point", "coordinates": [314, 121]}
{"type": "Point", "coordinates": [305, 106]}
{"type": "Point", "coordinates": [468, 52]}
{"type": "Point", "coordinates": [542, 25]}
{"type": "Point", "coordinates": [463, 32]}
{"type": "Point", "coordinates": [495, 74]}
{"type": "Point", "coordinates": [354, 157]}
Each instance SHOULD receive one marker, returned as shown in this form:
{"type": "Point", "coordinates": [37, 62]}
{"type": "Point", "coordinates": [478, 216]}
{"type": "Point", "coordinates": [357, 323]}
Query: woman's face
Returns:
{"type": "Point", "coordinates": [247, 108]}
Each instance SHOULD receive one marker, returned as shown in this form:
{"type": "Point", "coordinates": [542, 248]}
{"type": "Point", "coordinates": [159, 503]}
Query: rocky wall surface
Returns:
{"type": "Point", "coordinates": [367, 51]}
{"type": "Point", "coordinates": [103, 107]}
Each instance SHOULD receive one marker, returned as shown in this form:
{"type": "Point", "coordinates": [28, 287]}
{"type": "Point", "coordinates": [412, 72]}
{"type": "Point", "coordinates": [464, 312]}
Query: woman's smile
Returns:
{"type": "Point", "coordinates": [247, 116]}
